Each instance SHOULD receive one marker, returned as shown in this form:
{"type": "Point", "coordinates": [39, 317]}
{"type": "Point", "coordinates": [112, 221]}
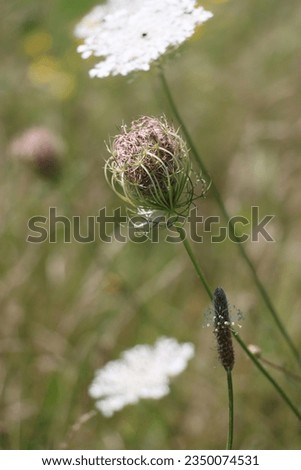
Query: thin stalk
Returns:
{"type": "Point", "coordinates": [216, 194]}
{"type": "Point", "coordinates": [75, 428]}
{"type": "Point", "coordinates": [236, 336]}
{"type": "Point", "coordinates": [267, 376]}
{"type": "Point", "coordinates": [231, 410]}
{"type": "Point", "coordinates": [282, 369]}
{"type": "Point", "coordinates": [200, 273]}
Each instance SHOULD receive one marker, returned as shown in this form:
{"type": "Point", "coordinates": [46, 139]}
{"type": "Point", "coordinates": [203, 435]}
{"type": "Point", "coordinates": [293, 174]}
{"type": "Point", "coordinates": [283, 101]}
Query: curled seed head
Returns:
{"type": "Point", "coordinates": [150, 168]}
{"type": "Point", "coordinates": [40, 148]}
{"type": "Point", "coordinates": [222, 329]}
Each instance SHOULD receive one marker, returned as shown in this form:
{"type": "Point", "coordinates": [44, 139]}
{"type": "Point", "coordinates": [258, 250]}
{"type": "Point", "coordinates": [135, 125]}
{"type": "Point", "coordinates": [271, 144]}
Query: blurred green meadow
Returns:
{"type": "Point", "coordinates": [68, 308]}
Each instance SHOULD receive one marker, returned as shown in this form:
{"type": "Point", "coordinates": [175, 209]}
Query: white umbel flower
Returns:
{"type": "Point", "coordinates": [129, 35]}
{"type": "Point", "coordinates": [142, 372]}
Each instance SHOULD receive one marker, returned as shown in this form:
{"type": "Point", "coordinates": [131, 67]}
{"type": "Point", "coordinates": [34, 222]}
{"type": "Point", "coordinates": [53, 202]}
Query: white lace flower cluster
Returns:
{"type": "Point", "coordinates": [142, 372]}
{"type": "Point", "coordinates": [128, 35]}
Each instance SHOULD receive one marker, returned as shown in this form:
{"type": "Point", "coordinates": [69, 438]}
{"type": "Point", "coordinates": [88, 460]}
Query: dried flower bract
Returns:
{"type": "Point", "coordinates": [150, 168]}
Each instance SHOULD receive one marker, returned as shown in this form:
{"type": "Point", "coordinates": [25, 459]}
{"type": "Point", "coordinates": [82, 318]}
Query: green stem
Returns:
{"type": "Point", "coordinates": [285, 371]}
{"type": "Point", "coordinates": [200, 273]}
{"type": "Point", "coordinates": [267, 375]}
{"type": "Point", "coordinates": [224, 211]}
{"type": "Point", "coordinates": [236, 336]}
{"type": "Point", "coordinates": [231, 409]}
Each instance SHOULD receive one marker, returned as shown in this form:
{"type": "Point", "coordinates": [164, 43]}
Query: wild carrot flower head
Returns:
{"type": "Point", "coordinates": [222, 329]}
{"type": "Point", "coordinates": [150, 168]}
{"type": "Point", "coordinates": [41, 148]}
{"type": "Point", "coordinates": [128, 35]}
{"type": "Point", "coordinates": [142, 372]}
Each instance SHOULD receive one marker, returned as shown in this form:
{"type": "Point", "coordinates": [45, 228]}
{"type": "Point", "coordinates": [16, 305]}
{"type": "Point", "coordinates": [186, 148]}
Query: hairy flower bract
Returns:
{"type": "Point", "coordinates": [150, 168]}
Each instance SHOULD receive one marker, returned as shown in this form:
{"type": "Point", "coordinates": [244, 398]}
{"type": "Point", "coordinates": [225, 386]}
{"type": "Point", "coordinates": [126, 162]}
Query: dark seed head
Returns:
{"type": "Point", "coordinates": [222, 329]}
